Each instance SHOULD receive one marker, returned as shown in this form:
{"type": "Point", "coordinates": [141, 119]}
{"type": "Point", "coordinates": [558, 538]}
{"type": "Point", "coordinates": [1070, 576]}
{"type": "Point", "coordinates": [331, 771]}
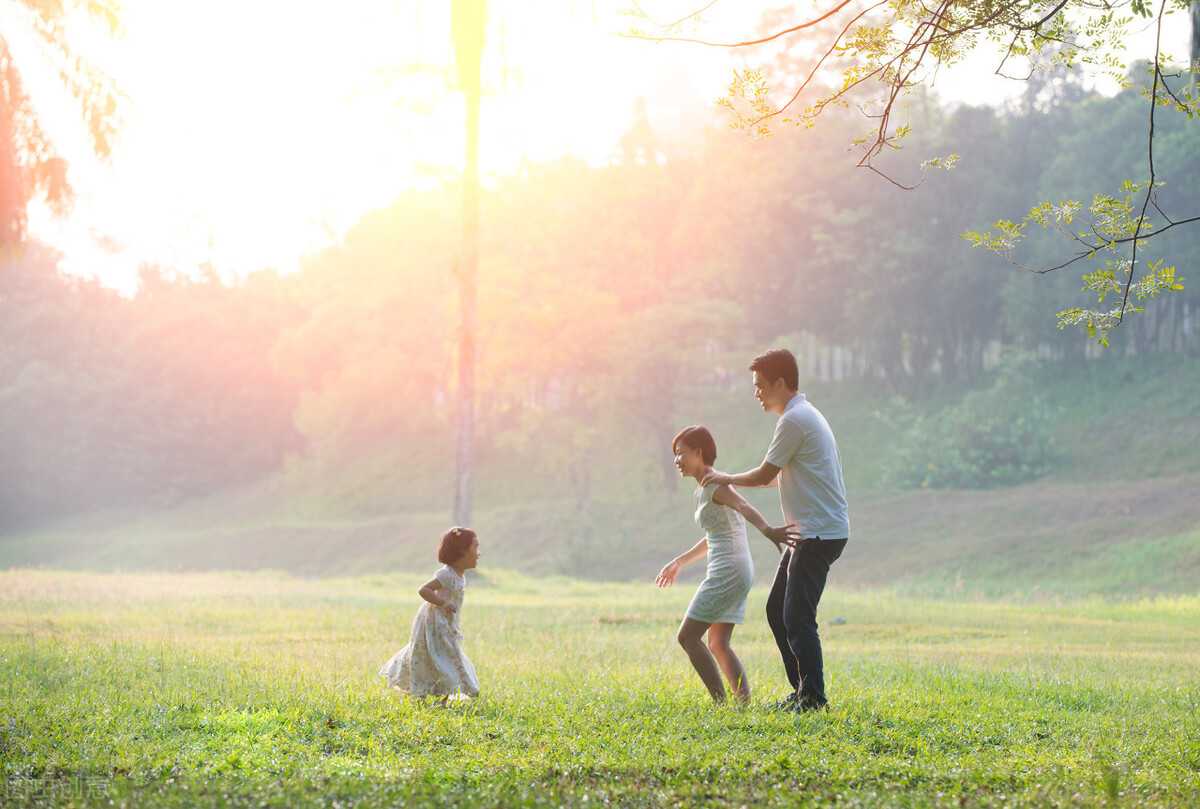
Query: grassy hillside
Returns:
{"type": "Point", "coordinates": [1115, 515]}
{"type": "Point", "coordinates": [258, 689]}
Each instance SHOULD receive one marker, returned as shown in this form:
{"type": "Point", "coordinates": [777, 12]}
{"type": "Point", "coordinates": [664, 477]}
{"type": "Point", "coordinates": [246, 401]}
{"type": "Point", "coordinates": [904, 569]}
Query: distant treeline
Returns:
{"type": "Point", "coordinates": [106, 400]}
{"type": "Point", "coordinates": [602, 291]}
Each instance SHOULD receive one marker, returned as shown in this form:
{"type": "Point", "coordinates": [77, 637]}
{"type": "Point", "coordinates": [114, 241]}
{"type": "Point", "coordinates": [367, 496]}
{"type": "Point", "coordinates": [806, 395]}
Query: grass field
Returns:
{"type": "Point", "coordinates": [259, 689]}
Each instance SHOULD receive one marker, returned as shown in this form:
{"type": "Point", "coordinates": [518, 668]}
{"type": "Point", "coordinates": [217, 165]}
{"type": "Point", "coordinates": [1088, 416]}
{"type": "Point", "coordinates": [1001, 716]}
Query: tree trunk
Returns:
{"type": "Point", "coordinates": [1195, 10]}
{"type": "Point", "coordinates": [468, 22]}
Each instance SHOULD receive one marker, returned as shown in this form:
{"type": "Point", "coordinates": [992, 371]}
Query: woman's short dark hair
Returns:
{"type": "Point", "coordinates": [455, 543]}
{"type": "Point", "coordinates": [778, 363]}
{"type": "Point", "coordinates": [697, 437]}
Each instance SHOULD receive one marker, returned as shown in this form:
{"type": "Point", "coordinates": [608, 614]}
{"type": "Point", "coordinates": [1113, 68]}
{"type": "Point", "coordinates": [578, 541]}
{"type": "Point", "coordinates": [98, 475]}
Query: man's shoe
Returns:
{"type": "Point", "coordinates": [805, 704]}
{"type": "Point", "coordinates": [788, 703]}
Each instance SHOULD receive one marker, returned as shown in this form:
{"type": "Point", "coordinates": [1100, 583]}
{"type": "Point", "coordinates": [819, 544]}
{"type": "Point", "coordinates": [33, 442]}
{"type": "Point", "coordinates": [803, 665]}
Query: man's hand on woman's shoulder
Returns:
{"type": "Point", "coordinates": [717, 478]}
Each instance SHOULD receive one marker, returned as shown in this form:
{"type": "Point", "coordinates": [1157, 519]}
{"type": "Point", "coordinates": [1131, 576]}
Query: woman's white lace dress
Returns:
{"type": "Point", "coordinates": [433, 662]}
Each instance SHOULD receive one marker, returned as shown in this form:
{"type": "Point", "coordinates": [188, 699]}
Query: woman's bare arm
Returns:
{"type": "Point", "coordinates": [693, 553]}
{"type": "Point", "coordinates": [666, 576]}
{"type": "Point", "coordinates": [728, 496]}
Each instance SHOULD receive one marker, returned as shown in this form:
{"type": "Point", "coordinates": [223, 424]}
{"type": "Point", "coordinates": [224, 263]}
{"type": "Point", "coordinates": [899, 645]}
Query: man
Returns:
{"type": "Point", "coordinates": [803, 461]}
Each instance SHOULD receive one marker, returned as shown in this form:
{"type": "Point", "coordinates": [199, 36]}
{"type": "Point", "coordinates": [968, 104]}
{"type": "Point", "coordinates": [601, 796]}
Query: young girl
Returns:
{"type": "Point", "coordinates": [720, 602]}
{"type": "Point", "coordinates": [433, 662]}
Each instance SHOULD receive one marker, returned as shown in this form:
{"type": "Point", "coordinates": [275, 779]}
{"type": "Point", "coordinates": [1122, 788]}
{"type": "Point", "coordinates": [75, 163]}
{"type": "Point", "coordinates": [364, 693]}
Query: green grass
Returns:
{"type": "Point", "coordinates": [1135, 568]}
{"type": "Point", "coordinates": [255, 689]}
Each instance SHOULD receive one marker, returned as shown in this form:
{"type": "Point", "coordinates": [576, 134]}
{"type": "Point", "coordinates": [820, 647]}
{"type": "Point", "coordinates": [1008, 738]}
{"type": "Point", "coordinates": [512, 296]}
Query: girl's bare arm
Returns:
{"type": "Point", "coordinates": [429, 592]}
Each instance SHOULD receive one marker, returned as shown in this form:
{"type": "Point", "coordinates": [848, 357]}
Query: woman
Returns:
{"type": "Point", "coordinates": [720, 602]}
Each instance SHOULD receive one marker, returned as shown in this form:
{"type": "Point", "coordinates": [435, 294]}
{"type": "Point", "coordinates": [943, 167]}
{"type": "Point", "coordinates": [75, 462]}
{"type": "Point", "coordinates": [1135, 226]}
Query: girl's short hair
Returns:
{"type": "Point", "coordinates": [455, 543]}
{"type": "Point", "coordinates": [697, 437]}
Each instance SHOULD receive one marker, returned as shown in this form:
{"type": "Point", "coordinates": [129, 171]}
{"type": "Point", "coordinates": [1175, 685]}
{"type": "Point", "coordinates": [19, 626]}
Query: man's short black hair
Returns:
{"type": "Point", "coordinates": [697, 437]}
{"type": "Point", "coordinates": [778, 363]}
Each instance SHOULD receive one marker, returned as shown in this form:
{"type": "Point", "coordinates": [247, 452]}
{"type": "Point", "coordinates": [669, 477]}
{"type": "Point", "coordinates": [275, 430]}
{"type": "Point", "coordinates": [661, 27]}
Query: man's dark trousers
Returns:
{"type": "Point", "coordinates": [792, 613]}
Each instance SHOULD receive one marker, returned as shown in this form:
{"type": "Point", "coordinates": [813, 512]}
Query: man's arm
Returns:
{"type": "Point", "coordinates": [764, 475]}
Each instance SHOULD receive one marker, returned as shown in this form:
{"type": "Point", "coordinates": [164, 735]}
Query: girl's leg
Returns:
{"type": "Point", "coordinates": [689, 637]}
{"type": "Point", "coordinates": [719, 636]}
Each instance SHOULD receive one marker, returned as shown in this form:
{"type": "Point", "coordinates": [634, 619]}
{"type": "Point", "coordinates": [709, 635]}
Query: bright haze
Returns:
{"type": "Point", "coordinates": [255, 133]}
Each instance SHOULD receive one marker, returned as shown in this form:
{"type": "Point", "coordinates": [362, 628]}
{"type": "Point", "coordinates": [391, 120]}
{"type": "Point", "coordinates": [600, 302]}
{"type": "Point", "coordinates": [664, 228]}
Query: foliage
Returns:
{"type": "Point", "coordinates": [30, 163]}
{"type": "Point", "coordinates": [108, 402]}
{"type": "Point", "coordinates": [874, 56]}
{"type": "Point", "coordinates": [591, 506]}
{"type": "Point", "coordinates": [996, 436]}
{"type": "Point", "coordinates": [616, 305]}
{"type": "Point", "coordinates": [1113, 224]}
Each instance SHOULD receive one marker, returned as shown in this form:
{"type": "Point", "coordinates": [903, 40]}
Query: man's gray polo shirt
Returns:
{"type": "Point", "coordinates": [811, 489]}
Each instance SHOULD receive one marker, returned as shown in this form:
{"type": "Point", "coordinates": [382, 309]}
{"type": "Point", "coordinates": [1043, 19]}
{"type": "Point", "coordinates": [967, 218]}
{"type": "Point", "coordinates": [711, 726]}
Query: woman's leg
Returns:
{"type": "Point", "coordinates": [719, 636]}
{"type": "Point", "coordinates": [690, 634]}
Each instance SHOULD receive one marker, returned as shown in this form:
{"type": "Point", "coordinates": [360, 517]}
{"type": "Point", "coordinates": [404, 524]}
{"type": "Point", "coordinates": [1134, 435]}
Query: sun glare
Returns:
{"type": "Point", "coordinates": [255, 133]}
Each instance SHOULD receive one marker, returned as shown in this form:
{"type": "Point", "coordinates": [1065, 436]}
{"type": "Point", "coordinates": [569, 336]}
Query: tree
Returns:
{"type": "Point", "coordinates": [1195, 60]}
{"type": "Point", "coordinates": [873, 53]}
{"type": "Point", "coordinates": [469, 22]}
{"type": "Point", "coordinates": [30, 165]}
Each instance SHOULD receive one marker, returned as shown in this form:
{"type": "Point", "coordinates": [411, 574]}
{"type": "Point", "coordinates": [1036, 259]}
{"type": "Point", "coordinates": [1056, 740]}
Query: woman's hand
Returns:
{"type": "Point", "coordinates": [447, 609]}
{"type": "Point", "coordinates": [666, 576]}
{"type": "Point", "coordinates": [787, 535]}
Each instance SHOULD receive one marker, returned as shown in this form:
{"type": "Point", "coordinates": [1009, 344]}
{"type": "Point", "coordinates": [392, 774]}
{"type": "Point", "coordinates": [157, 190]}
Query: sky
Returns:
{"type": "Point", "coordinates": [255, 132]}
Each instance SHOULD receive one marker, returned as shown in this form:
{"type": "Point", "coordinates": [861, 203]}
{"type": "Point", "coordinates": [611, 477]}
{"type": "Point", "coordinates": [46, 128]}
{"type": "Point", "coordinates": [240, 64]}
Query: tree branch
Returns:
{"type": "Point", "coordinates": [1094, 248]}
{"type": "Point", "coordinates": [1150, 157]}
{"type": "Point", "coordinates": [812, 73]}
{"type": "Point", "coordinates": [668, 26]}
{"type": "Point", "coordinates": [749, 42]}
